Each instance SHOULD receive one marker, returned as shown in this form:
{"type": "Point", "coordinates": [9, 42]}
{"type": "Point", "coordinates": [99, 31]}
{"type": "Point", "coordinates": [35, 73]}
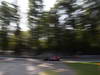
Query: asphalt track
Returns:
{"type": "Point", "coordinates": [25, 66]}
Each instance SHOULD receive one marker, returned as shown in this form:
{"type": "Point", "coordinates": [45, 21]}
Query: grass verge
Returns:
{"type": "Point", "coordinates": [85, 68]}
{"type": "Point", "coordinates": [48, 72]}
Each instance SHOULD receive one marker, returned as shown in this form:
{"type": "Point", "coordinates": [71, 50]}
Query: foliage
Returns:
{"type": "Point", "coordinates": [68, 28]}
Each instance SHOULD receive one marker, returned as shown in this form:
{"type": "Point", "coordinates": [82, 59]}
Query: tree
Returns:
{"type": "Point", "coordinates": [91, 20]}
{"type": "Point", "coordinates": [67, 25]}
{"type": "Point", "coordinates": [35, 11]}
{"type": "Point", "coordinates": [7, 16]}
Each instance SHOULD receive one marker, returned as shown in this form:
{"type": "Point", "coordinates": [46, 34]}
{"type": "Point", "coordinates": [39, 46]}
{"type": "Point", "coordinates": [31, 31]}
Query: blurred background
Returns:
{"type": "Point", "coordinates": [34, 27]}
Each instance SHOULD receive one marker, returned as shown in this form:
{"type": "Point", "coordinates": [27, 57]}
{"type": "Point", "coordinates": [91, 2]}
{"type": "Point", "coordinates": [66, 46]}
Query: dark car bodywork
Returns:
{"type": "Point", "coordinates": [53, 58]}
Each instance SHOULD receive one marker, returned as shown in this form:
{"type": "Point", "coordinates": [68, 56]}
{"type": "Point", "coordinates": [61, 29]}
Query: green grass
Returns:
{"type": "Point", "coordinates": [48, 72]}
{"type": "Point", "coordinates": [85, 68]}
